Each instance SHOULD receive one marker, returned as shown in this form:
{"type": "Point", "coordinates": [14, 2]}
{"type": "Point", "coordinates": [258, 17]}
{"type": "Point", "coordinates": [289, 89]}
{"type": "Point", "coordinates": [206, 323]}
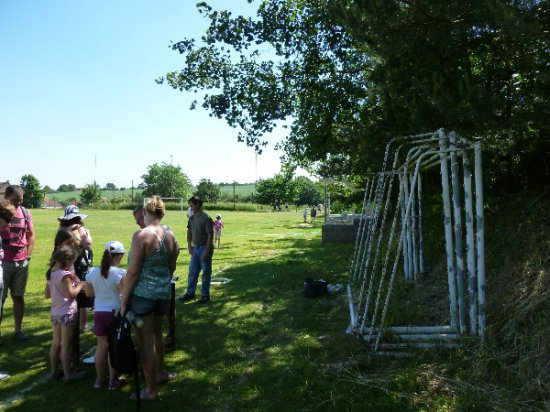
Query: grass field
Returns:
{"type": "Point", "coordinates": [259, 345]}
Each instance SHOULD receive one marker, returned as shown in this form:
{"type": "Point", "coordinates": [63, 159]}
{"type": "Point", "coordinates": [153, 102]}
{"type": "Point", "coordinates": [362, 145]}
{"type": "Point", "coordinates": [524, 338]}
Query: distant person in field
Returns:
{"type": "Point", "coordinates": [7, 211]}
{"type": "Point", "coordinates": [73, 220]}
{"type": "Point", "coordinates": [313, 214]}
{"type": "Point", "coordinates": [63, 287]}
{"type": "Point", "coordinates": [147, 290]}
{"type": "Point", "coordinates": [199, 243]}
{"type": "Point", "coordinates": [18, 244]}
{"type": "Point", "coordinates": [218, 226]}
{"type": "Point", "coordinates": [304, 213]}
{"type": "Point", "coordinates": [104, 283]}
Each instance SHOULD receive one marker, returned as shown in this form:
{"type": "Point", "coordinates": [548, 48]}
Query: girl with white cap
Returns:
{"type": "Point", "coordinates": [105, 284]}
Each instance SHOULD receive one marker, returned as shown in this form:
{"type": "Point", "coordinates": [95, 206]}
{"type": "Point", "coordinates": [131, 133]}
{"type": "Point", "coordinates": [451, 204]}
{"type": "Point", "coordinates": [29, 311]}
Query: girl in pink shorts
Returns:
{"type": "Point", "coordinates": [105, 284]}
{"type": "Point", "coordinates": [62, 287]}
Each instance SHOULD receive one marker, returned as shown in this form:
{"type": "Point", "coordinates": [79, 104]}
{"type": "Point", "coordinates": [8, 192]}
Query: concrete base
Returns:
{"type": "Point", "coordinates": [338, 233]}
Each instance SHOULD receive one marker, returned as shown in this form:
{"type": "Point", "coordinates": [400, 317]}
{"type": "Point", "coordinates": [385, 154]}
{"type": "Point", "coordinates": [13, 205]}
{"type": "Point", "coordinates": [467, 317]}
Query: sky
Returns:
{"type": "Point", "coordinates": [79, 102]}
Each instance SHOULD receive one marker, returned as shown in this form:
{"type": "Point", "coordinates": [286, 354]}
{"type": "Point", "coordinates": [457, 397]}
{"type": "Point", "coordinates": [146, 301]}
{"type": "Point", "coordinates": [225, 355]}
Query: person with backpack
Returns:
{"type": "Point", "coordinates": [18, 244]}
{"type": "Point", "coordinates": [6, 214]}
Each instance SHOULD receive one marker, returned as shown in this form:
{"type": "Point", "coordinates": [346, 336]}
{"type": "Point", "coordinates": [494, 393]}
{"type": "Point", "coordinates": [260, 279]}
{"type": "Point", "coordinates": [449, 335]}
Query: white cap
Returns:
{"type": "Point", "coordinates": [115, 247]}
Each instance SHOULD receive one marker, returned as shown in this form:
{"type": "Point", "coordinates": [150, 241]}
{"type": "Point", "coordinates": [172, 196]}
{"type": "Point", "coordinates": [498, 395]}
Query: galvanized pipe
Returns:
{"type": "Point", "coordinates": [480, 242]}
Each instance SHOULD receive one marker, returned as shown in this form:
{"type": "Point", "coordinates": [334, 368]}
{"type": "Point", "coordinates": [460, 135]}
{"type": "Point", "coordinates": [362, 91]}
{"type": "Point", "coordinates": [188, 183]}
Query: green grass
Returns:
{"type": "Point", "coordinates": [64, 197]}
{"type": "Point", "coordinates": [259, 345]}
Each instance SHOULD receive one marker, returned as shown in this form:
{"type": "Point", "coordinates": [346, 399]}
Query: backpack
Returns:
{"type": "Point", "coordinates": [122, 352]}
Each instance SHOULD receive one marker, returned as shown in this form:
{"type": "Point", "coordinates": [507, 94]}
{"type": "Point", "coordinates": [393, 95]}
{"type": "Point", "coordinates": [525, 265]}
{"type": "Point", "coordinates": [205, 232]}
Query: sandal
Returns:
{"type": "Point", "coordinates": [143, 396]}
{"type": "Point", "coordinates": [74, 377]}
{"type": "Point", "coordinates": [166, 377]}
{"type": "Point", "coordinates": [101, 383]}
{"type": "Point", "coordinates": [116, 383]}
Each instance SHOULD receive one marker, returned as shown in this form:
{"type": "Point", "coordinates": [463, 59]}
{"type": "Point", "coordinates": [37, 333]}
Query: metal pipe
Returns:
{"type": "Point", "coordinates": [457, 229]}
{"type": "Point", "coordinates": [470, 245]}
{"type": "Point", "coordinates": [448, 229]}
{"type": "Point", "coordinates": [480, 242]}
{"type": "Point", "coordinates": [420, 226]}
{"type": "Point", "coordinates": [352, 313]}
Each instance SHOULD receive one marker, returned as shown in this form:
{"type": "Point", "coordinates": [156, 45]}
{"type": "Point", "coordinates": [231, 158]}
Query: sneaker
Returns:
{"type": "Point", "coordinates": [90, 360]}
{"type": "Point", "coordinates": [20, 335]}
{"type": "Point", "coordinates": [204, 299]}
{"type": "Point", "coordinates": [186, 298]}
{"type": "Point", "coordinates": [116, 383]}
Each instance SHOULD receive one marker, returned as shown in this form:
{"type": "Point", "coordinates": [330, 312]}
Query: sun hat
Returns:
{"type": "Point", "coordinates": [71, 212]}
{"type": "Point", "coordinates": [115, 247]}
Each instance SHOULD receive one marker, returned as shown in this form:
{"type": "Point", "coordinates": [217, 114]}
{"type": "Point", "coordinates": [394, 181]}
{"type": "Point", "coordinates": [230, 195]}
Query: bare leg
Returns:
{"type": "Point", "coordinates": [55, 348]}
{"type": "Point", "coordinates": [101, 358]}
{"type": "Point", "coordinates": [148, 353]}
{"type": "Point", "coordinates": [67, 332]}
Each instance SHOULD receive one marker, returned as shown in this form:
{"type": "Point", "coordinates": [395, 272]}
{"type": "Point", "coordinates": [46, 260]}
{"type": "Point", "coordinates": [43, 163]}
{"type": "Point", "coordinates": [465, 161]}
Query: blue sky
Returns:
{"type": "Point", "coordinates": [78, 100]}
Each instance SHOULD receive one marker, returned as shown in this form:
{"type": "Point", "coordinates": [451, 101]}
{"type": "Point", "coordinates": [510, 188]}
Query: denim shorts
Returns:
{"type": "Point", "coordinates": [144, 306]}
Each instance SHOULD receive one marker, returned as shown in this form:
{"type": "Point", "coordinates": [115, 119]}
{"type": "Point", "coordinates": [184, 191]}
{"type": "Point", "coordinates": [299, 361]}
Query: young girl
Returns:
{"type": "Point", "coordinates": [218, 225]}
{"type": "Point", "coordinates": [105, 283]}
{"type": "Point", "coordinates": [62, 287]}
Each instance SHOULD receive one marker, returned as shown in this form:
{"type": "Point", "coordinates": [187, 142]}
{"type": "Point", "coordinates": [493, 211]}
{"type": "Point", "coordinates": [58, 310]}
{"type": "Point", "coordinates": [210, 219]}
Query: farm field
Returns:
{"type": "Point", "coordinates": [258, 345]}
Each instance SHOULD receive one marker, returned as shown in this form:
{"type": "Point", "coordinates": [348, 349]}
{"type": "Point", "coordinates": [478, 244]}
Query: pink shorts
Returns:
{"type": "Point", "coordinates": [63, 320]}
{"type": "Point", "coordinates": [102, 320]}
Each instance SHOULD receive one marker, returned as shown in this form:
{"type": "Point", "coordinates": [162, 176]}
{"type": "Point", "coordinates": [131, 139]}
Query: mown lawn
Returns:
{"type": "Point", "coordinates": [259, 344]}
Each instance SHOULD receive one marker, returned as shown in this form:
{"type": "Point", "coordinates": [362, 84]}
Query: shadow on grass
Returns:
{"type": "Point", "coordinates": [258, 345]}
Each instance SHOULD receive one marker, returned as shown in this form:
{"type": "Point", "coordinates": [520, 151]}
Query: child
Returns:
{"type": "Point", "coordinates": [218, 225]}
{"type": "Point", "coordinates": [304, 213]}
{"type": "Point", "coordinates": [105, 283]}
{"type": "Point", "coordinates": [63, 287]}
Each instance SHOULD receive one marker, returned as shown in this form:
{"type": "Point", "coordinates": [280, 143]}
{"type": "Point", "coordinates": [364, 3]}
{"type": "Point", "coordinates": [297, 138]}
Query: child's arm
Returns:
{"type": "Point", "coordinates": [47, 293]}
{"type": "Point", "coordinates": [70, 290]}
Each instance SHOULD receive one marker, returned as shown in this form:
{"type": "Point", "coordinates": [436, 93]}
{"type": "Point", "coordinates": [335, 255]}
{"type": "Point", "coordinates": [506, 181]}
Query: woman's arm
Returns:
{"type": "Point", "coordinates": [134, 266]}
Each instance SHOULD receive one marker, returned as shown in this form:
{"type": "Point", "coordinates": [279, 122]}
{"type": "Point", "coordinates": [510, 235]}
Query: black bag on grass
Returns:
{"type": "Point", "coordinates": [122, 352]}
{"type": "Point", "coordinates": [315, 288]}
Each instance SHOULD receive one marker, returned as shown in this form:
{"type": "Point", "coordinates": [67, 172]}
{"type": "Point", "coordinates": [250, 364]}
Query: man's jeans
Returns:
{"type": "Point", "coordinates": [195, 266]}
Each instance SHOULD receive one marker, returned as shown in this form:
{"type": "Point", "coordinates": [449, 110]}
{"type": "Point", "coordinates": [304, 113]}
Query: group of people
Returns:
{"type": "Point", "coordinates": [313, 214]}
{"type": "Point", "coordinates": [144, 288]}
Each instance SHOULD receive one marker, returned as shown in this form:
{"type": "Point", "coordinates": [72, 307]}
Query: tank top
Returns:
{"type": "Point", "coordinates": [155, 277]}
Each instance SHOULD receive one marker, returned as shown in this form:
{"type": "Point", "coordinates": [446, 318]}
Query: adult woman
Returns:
{"type": "Point", "coordinates": [147, 289]}
{"type": "Point", "coordinates": [72, 219]}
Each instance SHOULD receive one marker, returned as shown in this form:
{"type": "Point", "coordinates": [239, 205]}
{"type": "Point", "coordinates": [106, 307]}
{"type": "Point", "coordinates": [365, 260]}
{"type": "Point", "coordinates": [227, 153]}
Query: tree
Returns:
{"type": "Point", "coordinates": [348, 75]}
{"type": "Point", "coordinates": [66, 188]}
{"type": "Point", "coordinates": [34, 196]}
{"type": "Point", "coordinates": [208, 191]}
{"type": "Point", "coordinates": [90, 194]}
{"type": "Point", "coordinates": [110, 186]}
{"type": "Point", "coordinates": [165, 181]}
{"type": "Point", "coordinates": [307, 192]}
{"type": "Point", "coordinates": [47, 189]}
{"type": "Point", "coordinates": [276, 189]}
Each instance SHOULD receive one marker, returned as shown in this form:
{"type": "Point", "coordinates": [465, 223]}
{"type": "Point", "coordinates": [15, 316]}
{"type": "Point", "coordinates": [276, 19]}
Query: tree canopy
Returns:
{"type": "Point", "coordinates": [90, 194]}
{"type": "Point", "coordinates": [34, 196]}
{"type": "Point", "coordinates": [208, 191]}
{"type": "Point", "coordinates": [348, 75]}
{"type": "Point", "coordinates": [166, 181]}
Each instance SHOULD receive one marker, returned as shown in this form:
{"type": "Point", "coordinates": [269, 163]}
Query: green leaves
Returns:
{"type": "Point", "coordinates": [166, 181]}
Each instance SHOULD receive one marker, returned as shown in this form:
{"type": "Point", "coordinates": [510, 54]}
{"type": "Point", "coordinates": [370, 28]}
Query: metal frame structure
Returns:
{"type": "Point", "coordinates": [386, 245]}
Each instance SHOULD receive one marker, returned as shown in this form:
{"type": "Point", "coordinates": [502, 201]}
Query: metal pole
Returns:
{"type": "Point", "coordinates": [457, 218]}
{"type": "Point", "coordinates": [480, 242]}
{"type": "Point", "coordinates": [420, 225]}
{"type": "Point", "coordinates": [470, 245]}
{"type": "Point", "coordinates": [448, 229]}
